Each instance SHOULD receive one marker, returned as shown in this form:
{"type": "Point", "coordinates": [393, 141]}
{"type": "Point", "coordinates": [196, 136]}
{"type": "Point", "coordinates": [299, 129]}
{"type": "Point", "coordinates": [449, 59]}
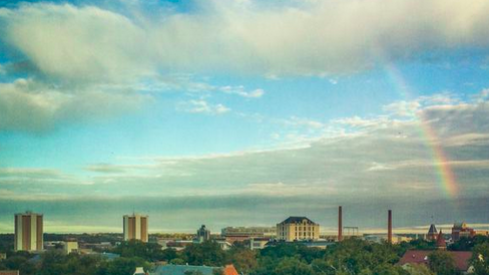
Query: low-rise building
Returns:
{"type": "Point", "coordinates": [297, 228]}
{"type": "Point", "coordinates": [258, 243]}
{"type": "Point", "coordinates": [417, 257]}
{"type": "Point", "coordinates": [249, 231]}
{"type": "Point", "coordinates": [380, 238]}
{"type": "Point", "coordinates": [70, 247]}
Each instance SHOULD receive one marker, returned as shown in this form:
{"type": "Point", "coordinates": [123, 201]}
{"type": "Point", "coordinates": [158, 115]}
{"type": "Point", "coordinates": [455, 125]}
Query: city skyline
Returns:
{"type": "Point", "coordinates": [324, 230]}
{"type": "Point", "coordinates": [244, 112]}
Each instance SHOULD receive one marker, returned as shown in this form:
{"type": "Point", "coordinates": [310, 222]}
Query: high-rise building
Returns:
{"type": "Point", "coordinates": [28, 232]}
{"type": "Point", "coordinates": [135, 227]}
{"type": "Point", "coordinates": [297, 228]}
{"type": "Point", "coordinates": [203, 234]}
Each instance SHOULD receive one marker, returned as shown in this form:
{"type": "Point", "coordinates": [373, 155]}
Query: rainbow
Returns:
{"type": "Point", "coordinates": [446, 178]}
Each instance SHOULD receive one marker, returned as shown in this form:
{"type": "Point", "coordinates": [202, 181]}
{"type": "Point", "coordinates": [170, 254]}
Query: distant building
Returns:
{"type": "Point", "coordinates": [203, 234]}
{"type": "Point", "coordinates": [139, 271]}
{"type": "Point", "coordinates": [461, 230]}
{"type": "Point", "coordinates": [416, 257]}
{"type": "Point", "coordinates": [297, 228]}
{"type": "Point", "coordinates": [258, 243]}
{"type": "Point", "coordinates": [234, 234]}
{"type": "Point", "coordinates": [135, 227]}
{"type": "Point", "coordinates": [9, 272]}
{"type": "Point", "coordinates": [28, 232]}
{"type": "Point", "coordinates": [380, 238]}
{"type": "Point", "coordinates": [432, 233]}
{"type": "Point", "coordinates": [70, 247]}
{"type": "Point", "coordinates": [249, 231]}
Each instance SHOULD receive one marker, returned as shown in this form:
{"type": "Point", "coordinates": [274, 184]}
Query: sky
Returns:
{"type": "Point", "coordinates": [244, 112]}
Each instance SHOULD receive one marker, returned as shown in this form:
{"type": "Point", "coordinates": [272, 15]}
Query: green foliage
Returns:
{"type": "Point", "coordinates": [355, 256]}
{"type": "Point", "coordinates": [293, 266]}
{"type": "Point", "coordinates": [419, 269]}
{"type": "Point", "coordinates": [419, 245]}
{"type": "Point", "coordinates": [147, 251]}
{"type": "Point", "coordinates": [124, 266]}
{"type": "Point", "coordinates": [243, 259]}
{"type": "Point", "coordinates": [467, 244]}
{"type": "Point", "coordinates": [21, 263]}
{"type": "Point", "coordinates": [207, 253]}
{"type": "Point", "coordinates": [350, 257]}
{"type": "Point", "coordinates": [442, 263]}
{"type": "Point", "coordinates": [480, 259]}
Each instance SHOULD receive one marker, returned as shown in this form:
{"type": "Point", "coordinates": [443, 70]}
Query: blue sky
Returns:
{"type": "Point", "coordinates": [229, 108]}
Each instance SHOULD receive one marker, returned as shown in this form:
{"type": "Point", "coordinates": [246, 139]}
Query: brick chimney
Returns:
{"type": "Point", "coordinates": [389, 227]}
{"type": "Point", "coordinates": [340, 224]}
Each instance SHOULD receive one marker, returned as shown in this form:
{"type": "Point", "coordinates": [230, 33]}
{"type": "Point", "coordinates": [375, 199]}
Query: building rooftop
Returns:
{"type": "Point", "coordinates": [461, 258]}
{"type": "Point", "coordinates": [432, 230]}
{"type": "Point", "coordinates": [297, 220]}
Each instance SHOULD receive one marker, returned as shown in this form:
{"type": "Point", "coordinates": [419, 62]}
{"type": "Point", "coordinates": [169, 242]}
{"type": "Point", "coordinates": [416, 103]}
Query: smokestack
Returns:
{"type": "Point", "coordinates": [340, 224]}
{"type": "Point", "coordinates": [389, 227]}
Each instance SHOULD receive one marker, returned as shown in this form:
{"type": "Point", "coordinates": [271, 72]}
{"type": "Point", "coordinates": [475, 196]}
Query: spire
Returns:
{"type": "Point", "coordinates": [432, 233]}
{"type": "Point", "coordinates": [440, 242]}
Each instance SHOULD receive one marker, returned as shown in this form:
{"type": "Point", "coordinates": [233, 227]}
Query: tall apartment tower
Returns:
{"type": "Point", "coordinates": [28, 232]}
{"type": "Point", "coordinates": [135, 227]}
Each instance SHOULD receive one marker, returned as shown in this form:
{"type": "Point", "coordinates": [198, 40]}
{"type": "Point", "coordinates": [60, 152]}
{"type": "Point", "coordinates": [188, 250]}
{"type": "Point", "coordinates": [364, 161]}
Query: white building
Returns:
{"type": "Point", "coordinates": [70, 247]}
{"type": "Point", "coordinates": [296, 229]}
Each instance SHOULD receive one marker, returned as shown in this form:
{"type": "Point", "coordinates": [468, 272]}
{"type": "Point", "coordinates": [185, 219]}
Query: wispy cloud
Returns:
{"type": "Point", "coordinates": [203, 107]}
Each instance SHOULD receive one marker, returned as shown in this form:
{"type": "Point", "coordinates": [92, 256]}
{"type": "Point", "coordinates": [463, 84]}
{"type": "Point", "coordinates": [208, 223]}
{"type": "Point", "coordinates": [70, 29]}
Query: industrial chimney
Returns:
{"type": "Point", "coordinates": [340, 224]}
{"type": "Point", "coordinates": [389, 227]}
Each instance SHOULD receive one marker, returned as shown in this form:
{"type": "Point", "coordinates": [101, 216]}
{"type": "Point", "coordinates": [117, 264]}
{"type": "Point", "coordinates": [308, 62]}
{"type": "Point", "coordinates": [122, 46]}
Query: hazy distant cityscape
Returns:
{"type": "Point", "coordinates": [244, 137]}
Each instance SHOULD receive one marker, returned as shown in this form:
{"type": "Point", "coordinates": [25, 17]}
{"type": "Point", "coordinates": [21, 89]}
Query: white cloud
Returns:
{"type": "Point", "coordinates": [202, 106]}
{"type": "Point", "coordinates": [322, 37]}
{"type": "Point", "coordinates": [239, 90]}
{"type": "Point", "coordinates": [29, 105]}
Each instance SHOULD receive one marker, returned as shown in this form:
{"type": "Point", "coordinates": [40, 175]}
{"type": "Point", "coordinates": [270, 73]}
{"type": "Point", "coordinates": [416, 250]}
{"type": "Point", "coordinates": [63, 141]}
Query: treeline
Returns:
{"type": "Point", "coordinates": [350, 257]}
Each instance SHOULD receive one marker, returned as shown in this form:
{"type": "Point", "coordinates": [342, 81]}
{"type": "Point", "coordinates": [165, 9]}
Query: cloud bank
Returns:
{"type": "Point", "coordinates": [368, 165]}
{"type": "Point", "coordinates": [73, 54]}
{"type": "Point", "coordinates": [309, 37]}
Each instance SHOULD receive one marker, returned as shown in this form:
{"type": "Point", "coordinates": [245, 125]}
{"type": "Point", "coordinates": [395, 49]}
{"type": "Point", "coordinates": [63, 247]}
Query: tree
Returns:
{"type": "Point", "coordinates": [442, 263]}
{"type": "Point", "coordinates": [243, 259]}
{"type": "Point", "coordinates": [207, 253]}
{"type": "Point", "coordinates": [480, 259]}
{"type": "Point", "coordinates": [136, 248]}
{"type": "Point", "coordinates": [20, 263]}
{"type": "Point", "coordinates": [388, 269]}
{"type": "Point", "coordinates": [419, 269]}
{"type": "Point", "coordinates": [293, 266]}
{"type": "Point", "coordinates": [123, 266]}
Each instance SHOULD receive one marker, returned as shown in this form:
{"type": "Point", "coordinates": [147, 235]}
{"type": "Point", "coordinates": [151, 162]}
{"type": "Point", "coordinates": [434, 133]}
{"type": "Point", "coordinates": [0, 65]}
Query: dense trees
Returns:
{"type": "Point", "coordinates": [441, 262]}
{"type": "Point", "coordinates": [480, 259]}
{"type": "Point", "coordinates": [350, 257]}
